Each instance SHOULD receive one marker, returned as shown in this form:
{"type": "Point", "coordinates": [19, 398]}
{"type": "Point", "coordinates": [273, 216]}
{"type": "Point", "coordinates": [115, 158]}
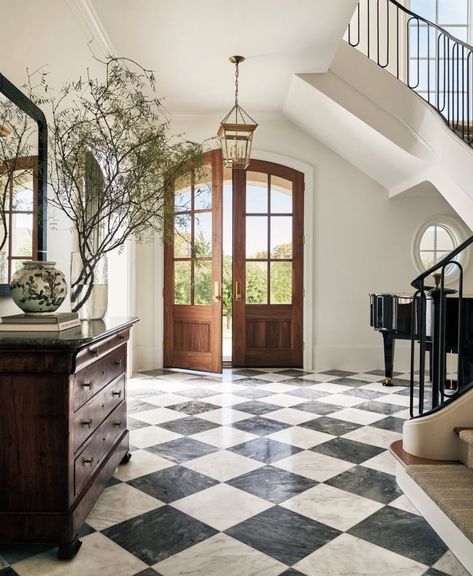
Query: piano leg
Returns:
{"type": "Point", "coordinates": [388, 340]}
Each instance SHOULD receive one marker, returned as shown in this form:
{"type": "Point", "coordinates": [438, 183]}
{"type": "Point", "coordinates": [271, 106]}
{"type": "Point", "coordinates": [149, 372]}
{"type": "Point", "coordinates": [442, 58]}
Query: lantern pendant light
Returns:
{"type": "Point", "coordinates": [236, 130]}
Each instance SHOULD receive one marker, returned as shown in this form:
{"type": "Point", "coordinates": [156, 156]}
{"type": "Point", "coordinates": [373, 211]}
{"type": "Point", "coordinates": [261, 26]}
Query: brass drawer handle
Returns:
{"type": "Point", "coordinates": [87, 385]}
{"type": "Point", "coordinates": [117, 424]}
{"type": "Point", "coordinates": [117, 363]}
{"type": "Point", "coordinates": [117, 393]}
{"type": "Point", "coordinates": [87, 423]}
{"type": "Point", "coordinates": [94, 351]}
{"type": "Point", "coordinates": [121, 336]}
{"type": "Point", "coordinates": [88, 461]}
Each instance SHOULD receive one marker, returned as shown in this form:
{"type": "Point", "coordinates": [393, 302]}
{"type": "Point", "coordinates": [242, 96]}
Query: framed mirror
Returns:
{"type": "Point", "coordinates": [23, 181]}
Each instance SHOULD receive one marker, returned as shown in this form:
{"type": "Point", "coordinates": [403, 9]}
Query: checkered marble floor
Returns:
{"type": "Point", "coordinates": [254, 473]}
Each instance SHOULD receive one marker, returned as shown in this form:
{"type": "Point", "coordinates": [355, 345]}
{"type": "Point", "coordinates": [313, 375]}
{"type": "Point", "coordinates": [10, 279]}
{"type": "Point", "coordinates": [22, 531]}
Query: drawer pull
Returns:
{"type": "Point", "coordinates": [117, 424]}
{"type": "Point", "coordinates": [117, 393]}
{"type": "Point", "coordinates": [87, 423]}
{"type": "Point", "coordinates": [117, 363]}
{"type": "Point", "coordinates": [121, 336]}
{"type": "Point", "coordinates": [88, 461]}
{"type": "Point", "coordinates": [94, 351]}
{"type": "Point", "coordinates": [87, 385]}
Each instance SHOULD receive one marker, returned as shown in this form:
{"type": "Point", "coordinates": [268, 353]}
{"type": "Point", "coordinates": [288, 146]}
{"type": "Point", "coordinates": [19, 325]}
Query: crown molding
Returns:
{"type": "Point", "coordinates": [93, 28]}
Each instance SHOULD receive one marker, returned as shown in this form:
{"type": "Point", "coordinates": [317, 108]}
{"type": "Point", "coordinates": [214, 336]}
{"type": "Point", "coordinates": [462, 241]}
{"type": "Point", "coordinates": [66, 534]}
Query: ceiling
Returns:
{"type": "Point", "coordinates": [188, 43]}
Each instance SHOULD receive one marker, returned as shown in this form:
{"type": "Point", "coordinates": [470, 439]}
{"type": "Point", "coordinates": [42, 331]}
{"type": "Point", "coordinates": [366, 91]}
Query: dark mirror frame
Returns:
{"type": "Point", "coordinates": [29, 107]}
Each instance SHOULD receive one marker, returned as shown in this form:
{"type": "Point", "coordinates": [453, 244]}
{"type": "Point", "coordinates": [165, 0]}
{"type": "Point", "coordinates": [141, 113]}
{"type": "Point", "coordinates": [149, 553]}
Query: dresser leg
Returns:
{"type": "Point", "coordinates": [126, 458]}
{"type": "Point", "coordinates": [68, 550]}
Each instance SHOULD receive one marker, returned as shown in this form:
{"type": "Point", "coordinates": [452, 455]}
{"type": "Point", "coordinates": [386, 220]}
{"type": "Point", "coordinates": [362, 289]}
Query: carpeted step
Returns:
{"type": "Point", "coordinates": [451, 488]}
{"type": "Point", "coordinates": [466, 436]}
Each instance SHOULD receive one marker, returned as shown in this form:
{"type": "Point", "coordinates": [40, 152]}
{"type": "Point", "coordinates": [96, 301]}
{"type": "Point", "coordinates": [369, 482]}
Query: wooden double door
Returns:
{"type": "Point", "coordinates": [266, 281]}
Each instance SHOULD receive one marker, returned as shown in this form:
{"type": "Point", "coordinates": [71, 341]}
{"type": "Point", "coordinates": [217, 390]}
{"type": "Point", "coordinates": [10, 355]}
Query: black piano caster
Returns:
{"type": "Point", "coordinates": [68, 550]}
{"type": "Point", "coordinates": [126, 458]}
{"type": "Point", "coordinates": [387, 382]}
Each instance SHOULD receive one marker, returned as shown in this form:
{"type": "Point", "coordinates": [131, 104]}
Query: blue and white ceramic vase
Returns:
{"type": "Point", "coordinates": [38, 287]}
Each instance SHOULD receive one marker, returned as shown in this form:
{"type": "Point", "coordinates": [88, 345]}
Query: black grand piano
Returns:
{"type": "Point", "coordinates": [392, 314]}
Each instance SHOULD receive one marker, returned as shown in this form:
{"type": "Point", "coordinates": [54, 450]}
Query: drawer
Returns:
{"type": "Point", "coordinates": [88, 418]}
{"type": "Point", "coordinates": [96, 351]}
{"type": "Point", "coordinates": [90, 380]}
{"type": "Point", "coordinates": [89, 460]}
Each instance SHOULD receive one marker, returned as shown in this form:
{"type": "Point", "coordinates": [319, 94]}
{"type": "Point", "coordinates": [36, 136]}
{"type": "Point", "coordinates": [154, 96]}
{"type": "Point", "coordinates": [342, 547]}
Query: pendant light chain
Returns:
{"type": "Point", "coordinates": [237, 72]}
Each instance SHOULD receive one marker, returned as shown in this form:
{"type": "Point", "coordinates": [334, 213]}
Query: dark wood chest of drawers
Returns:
{"type": "Point", "coordinates": [62, 428]}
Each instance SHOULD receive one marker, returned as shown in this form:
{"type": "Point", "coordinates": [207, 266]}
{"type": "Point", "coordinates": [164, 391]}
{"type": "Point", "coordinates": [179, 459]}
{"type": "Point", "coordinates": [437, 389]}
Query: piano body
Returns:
{"type": "Point", "coordinates": [391, 314]}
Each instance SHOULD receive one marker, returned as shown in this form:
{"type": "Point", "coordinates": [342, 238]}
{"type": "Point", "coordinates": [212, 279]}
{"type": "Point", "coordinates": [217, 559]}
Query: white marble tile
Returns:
{"type": "Point", "coordinates": [357, 416]}
{"type": "Point", "coordinates": [332, 506]}
{"type": "Point", "coordinates": [449, 564]}
{"type": "Point", "coordinates": [291, 416]}
{"type": "Point", "coordinates": [320, 377]}
{"type": "Point", "coordinates": [366, 377]}
{"type": "Point", "coordinates": [179, 376]}
{"type": "Point", "coordinates": [220, 555]}
{"type": "Point", "coordinates": [342, 400]}
{"type": "Point", "coordinates": [98, 556]}
{"type": "Point", "coordinates": [141, 463]}
{"type": "Point", "coordinates": [403, 503]}
{"type": "Point", "coordinates": [331, 388]}
{"type": "Point", "coordinates": [374, 436]}
{"type": "Point", "coordinates": [225, 415]}
{"type": "Point", "coordinates": [314, 466]}
{"type": "Point", "coordinates": [222, 506]}
{"type": "Point", "coordinates": [285, 400]}
{"type": "Point", "coordinates": [404, 414]}
{"type": "Point", "coordinates": [166, 399]}
{"type": "Point", "coordinates": [119, 503]}
{"type": "Point", "coordinates": [402, 401]}
{"type": "Point", "coordinates": [350, 556]}
{"type": "Point", "coordinates": [274, 377]}
{"type": "Point", "coordinates": [383, 462]}
{"type": "Point", "coordinates": [224, 437]}
{"type": "Point", "coordinates": [226, 399]}
{"type": "Point", "coordinates": [158, 415]}
{"type": "Point", "coordinates": [168, 386]}
{"type": "Point", "coordinates": [223, 465]}
{"type": "Point", "coordinates": [300, 437]}
{"type": "Point", "coordinates": [278, 387]}
{"type": "Point", "coordinates": [150, 436]}
{"type": "Point", "coordinates": [378, 387]}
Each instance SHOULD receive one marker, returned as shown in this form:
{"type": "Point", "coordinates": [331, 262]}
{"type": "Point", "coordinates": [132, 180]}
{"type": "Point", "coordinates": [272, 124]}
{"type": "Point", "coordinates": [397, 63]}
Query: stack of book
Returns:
{"type": "Point", "coordinates": [46, 323]}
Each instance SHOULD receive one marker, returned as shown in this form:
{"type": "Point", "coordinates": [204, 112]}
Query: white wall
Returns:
{"type": "Point", "coordinates": [361, 244]}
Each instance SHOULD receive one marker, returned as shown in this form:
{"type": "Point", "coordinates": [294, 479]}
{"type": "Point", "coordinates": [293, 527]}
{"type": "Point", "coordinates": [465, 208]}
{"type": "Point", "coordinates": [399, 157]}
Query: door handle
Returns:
{"type": "Point", "coordinates": [217, 295]}
{"type": "Point", "coordinates": [237, 291]}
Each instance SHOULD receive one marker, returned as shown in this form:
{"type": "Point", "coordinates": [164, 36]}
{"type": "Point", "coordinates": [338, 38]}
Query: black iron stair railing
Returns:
{"type": "Point", "coordinates": [424, 56]}
{"type": "Point", "coordinates": [436, 313]}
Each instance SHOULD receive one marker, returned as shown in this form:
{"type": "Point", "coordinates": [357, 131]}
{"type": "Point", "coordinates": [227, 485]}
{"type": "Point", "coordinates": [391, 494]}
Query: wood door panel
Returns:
{"type": "Point", "coordinates": [267, 334]}
{"type": "Point", "coordinates": [193, 332]}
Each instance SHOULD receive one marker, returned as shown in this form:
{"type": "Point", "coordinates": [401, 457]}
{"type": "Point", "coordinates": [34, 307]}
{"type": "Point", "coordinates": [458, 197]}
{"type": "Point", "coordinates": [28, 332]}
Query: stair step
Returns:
{"type": "Point", "coordinates": [407, 459]}
{"type": "Point", "coordinates": [465, 434]}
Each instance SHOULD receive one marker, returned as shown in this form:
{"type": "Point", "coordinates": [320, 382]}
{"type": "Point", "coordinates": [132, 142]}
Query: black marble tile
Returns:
{"type": "Point", "coordinates": [113, 481]}
{"type": "Point", "coordinates": [265, 450]}
{"type": "Point", "coordinates": [349, 450]}
{"type": "Point", "coordinates": [193, 407]}
{"type": "Point", "coordinates": [431, 572]}
{"type": "Point", "coordinates": [253, 381]}
{"type": "Point", "coordinates": [16, 552]}
{"type": "Point", "coordinates": [260, 426]}
{"type": "Point", "coordinates": [403, 533]}
{"type": "Point", "coordinates": [256, 407]}
{"type": "Point", "coordinates": [354, 383]}
{"type": "Point", "coordinates": [303, 382]}
{"type": "Point", "coordinates": [158, 534]}
{"type": "Point", "coordinates": [330, 426]}
{"type": "Point", "coordinates": [272, 484]}
{"type": "Point", "coordinates": [381, 373]}
{"type": "Point", "coordinates": [390, 423]}
{"type": "Point", "coordinates": [135, 406]}
{"type": "Point", "coordinates": [85, 530]}
{"type": "Point", "coordinates": [340, 373]}
{"type": "Point", "coordinates": [380, 407]}
{"type": "Point", "coordinates": [172, 483]}
{"type": "Point", "coordinates": [197, 393]}
{"type": "Point", "coordinates": [253, 393]}
{"type": "Point", "coordinates": [291, 572]}
{"type": "Point", "coordinates": [147, 572]}
{"type": "Point", "coordinates": [404, 392]}
{"type": "Point", "coordinates": [369, 483]}
{"type": "Point", "coordinates": [190, 425]}
{"type": "Point", "coordinates": [156, 372]}
{"type": "Point", "coordinates": [362, 393]}
{"type": "Point", "coordinates": [283, 534]}
{"type": "Point", "coordinates": [8, 571]}
{"type": "Point", "coordinates": [308, 394]}
{"type": "Point", "coordinates": [249, 372]}
{"type": "Point", "coordinates": [318, 407]}
{"type": "Point", "coordinates": [295, 372]}
{"type": "Point", "coordinates": [134, 424]}
{"type": "Point", "coordinates": [182, 449]}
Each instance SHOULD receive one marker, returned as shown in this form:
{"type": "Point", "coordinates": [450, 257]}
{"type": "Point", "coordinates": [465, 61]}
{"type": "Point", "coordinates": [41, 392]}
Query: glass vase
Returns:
{"type": "Point", "coordinates": [89, 288]}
